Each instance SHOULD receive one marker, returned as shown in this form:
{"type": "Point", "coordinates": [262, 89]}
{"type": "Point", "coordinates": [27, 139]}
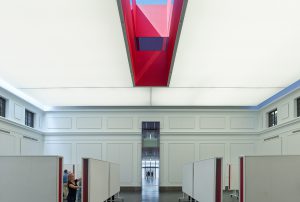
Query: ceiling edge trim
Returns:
{"type": "Point", "coordinates": [288, 90]}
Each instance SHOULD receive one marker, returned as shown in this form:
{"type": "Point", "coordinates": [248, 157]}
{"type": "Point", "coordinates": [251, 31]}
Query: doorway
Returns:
{"type": "Point", "coordinates": [150, 160]}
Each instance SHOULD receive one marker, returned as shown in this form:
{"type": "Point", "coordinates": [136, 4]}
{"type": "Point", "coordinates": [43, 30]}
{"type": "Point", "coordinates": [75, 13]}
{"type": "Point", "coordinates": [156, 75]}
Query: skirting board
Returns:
{"type": "Point", "coordinates": [169, 189]}
{"type": "Point", "coordinates": [130, 189]}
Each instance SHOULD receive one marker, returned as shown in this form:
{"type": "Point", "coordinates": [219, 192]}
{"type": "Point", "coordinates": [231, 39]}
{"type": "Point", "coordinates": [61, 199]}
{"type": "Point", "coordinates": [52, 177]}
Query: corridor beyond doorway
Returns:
{"type": "Point", "coordinates": [150, 161]}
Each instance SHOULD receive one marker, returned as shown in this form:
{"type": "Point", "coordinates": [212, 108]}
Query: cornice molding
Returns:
{"type": "Point", "coordinates": [20, 126]}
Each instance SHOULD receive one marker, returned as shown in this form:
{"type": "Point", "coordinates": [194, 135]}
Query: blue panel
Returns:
{"type": "Point", "coordinates": [152, 2]}
{"type": "Point", "coordinates": [291, 88]}
{"type": "Point", "coordinates": [280, 94]}
{"type": "Point", "coordinates": [150, 43]}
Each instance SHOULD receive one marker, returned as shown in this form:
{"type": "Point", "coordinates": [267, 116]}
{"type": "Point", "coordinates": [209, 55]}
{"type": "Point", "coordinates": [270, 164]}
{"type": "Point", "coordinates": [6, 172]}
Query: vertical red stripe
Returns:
{"type": "Point", "coordinates": [85, 180]}
{"type": "Point", "coordinates": [218, 180]}
{"type": "Point", "coordinates": [229, 182]}
{"type": "Point", "coordinates": [241, 179]}
{"type": "Point", "coordinates": [60, 182]}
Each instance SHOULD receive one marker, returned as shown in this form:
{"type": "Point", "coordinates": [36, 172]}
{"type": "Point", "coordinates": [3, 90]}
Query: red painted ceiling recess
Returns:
{"type": "Point", "coordinates": [151, 32]}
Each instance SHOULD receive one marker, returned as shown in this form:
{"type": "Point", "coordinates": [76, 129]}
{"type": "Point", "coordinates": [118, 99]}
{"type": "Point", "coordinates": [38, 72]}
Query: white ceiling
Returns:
{"type": "Point", "coordinates": [62, 43]}
{"type": "Point", "coordinates": [72, 53]}
{"type": "Point", "coordinates": [239, 43]}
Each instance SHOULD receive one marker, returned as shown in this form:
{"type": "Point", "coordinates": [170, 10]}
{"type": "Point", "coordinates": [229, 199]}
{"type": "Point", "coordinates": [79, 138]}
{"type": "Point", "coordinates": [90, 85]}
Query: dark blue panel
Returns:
{"type": "Point", "coordinates": [150, 43]}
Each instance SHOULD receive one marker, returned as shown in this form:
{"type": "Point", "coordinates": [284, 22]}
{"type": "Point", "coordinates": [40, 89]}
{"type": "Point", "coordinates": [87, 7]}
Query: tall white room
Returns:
{"type": "Point", "coordinates": [152, 98]}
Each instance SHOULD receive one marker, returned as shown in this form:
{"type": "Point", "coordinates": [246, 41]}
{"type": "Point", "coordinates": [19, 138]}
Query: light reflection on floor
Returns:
{"type": "Point", "coordinates": [150, 186]}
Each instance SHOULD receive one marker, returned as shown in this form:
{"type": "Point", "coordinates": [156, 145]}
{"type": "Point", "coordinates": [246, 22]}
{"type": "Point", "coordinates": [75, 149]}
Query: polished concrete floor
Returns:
{"type": "Point", "coordinates": [150, 193]}
{"type": "Point", "coordinates": [145, 196]}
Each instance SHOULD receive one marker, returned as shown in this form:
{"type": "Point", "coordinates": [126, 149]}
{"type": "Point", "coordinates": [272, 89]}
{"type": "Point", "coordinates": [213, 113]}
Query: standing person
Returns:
{"type": "Point", "coordinates": [79, 182]}
{"type": "Point", "coordinates": [65, 181]}
{"type": "Point", "coordinates": [72, 186]}
{"type": "Point", "coordinates": [65, 177]}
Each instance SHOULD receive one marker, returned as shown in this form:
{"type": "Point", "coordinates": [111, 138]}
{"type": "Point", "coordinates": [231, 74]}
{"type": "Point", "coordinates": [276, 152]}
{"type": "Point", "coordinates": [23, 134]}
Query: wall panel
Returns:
{"type": "Point", "coordinates": [119, 123]}
{"type": "Point", "coordinates": [242, 123]}
{"type": "Point", "coordinates": [122, 153]}
{"type": "Point", "coordinates": [7, 144]}
{"type": "Point", "coordinates": [213, 122]}
{"type": "Point", "coordinates": [293, 146]}
{"type": "Point", "coordinates": [208, 151]}
{"type": "Point", "coordinates": [89, 123]}
{"type": "Point", "coordinates": [88, 150]}
{"type": "Point", "coordinates": [179, 154]}
{"type": "Point", "coordinates": [240, 149]}
{"type": "Point", "coordinates": [59, 122]}
{"type": "Point", "coordinates": [270, 147]}
{"type": "Point", "coordinates": [60, 149]}
{"type": "Point", "coordinates": [30, 147]}
{"type": "Point", "coordinates": [181, 122]}
{"type": "Point", "coordinates": [19, 112]}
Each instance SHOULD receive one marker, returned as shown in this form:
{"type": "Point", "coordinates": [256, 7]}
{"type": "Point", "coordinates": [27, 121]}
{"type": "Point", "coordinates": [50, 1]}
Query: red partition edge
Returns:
{"type": "Point", "coordinates": [241, 179]}
{"type": "Point", "coordinates": [60, 182]}
{"type": "Point", "coordinates": [219, 180]}
{"type": "Point", "coordinates": [85, 182]}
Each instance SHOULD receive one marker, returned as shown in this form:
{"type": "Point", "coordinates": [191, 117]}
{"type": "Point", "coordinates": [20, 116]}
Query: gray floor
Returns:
{"type": "Point", "coordinates": [162, 197]}
{"type": "Point", "coordinates": [150, 193]}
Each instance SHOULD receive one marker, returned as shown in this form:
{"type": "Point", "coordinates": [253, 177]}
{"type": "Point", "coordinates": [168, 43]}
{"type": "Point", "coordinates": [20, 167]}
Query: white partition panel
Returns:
{"type": "Point", "coordinates": [234, 177]}
{"type": "Point", "coordinates": [114, 179]}
{"type": "Point", "coordinates": [98, 180]}
{"type": "Point", "coordinates": [208, 180]}
{"type": "Point", "coordinates": [188, 179]}
{"type": "Point", "coordinates": [271, 179]}
{"type": "Point", "coordinates": [204, 180]}
{"type": "Point", "coordinates": [30, 179]}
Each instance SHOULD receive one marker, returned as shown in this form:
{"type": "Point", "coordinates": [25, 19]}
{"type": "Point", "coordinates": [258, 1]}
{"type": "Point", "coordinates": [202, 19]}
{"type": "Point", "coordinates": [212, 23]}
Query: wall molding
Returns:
{"type": "Point", "coordinates": [282, 125]}
{"type": "Point", "coordinates": [184, 133]}
{"type": "Point", "coordinates": [20, 126]}
{"type": "Point", "coordinates": [258, 132]}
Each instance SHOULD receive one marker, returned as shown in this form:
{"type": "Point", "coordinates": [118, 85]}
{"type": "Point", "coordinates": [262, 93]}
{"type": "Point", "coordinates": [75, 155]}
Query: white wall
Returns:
{"type": "Point", "coordinates": [126, 149]}
{"type": "Point", "coordinates": [129, 121]}
{"type": "Point", "coordinates": [15, 110]}
{"type": "Point", "coordinates": [15, 137]}
{"type": "Point", "coordinates": [186, 135]}
{"type": "Point", "coordinates": [283, 138]}
{"type": "Point", "coordinates": [19, 141]}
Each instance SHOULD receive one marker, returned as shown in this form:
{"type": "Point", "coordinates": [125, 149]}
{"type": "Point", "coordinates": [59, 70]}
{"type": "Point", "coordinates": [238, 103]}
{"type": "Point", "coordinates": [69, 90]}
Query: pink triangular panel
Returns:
{"type": "Point", "coordinates": [157, 16]}
{"type": "Point", "coordinates": [144, 27]}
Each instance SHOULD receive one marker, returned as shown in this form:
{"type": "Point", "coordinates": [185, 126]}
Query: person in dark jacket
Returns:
{"type": "Point", "coordinates": [72, 186]}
